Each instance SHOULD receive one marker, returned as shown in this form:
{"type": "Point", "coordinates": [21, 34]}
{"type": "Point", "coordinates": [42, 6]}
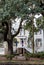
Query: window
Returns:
{"type": "Point", "coordinates": [22, 32]}
{"type": "Point", "coordinates": [38, 43]}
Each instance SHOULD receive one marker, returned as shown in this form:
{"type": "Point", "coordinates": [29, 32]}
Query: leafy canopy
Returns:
{"type": "Point", "coordinates": [11, 8]}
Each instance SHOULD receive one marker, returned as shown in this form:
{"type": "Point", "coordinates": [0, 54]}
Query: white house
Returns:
{"type": "Point", "coordinates": [38, 39]}
{"type": "Point", "coordinates": [23, 40]}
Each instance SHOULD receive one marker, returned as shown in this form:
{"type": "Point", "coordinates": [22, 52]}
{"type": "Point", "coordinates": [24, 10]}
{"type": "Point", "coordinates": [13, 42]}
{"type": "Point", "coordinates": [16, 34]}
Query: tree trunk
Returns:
{"type": "Point", "coordinates": [33, 44]}
{"type": "Point", "coordinates": [10, 40]}
{"type": "Point", "coordinates": [33, 38]}
{"type": "Point", "coordinates": [7, 37]}
{"type": "Point", "coordinates": [10, 47]}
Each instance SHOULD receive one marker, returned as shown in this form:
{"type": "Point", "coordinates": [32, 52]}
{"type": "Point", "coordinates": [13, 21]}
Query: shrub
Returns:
{"type": "Point", "coordinates": [41, 54]}
{"type": "Point", "coordinates": [35, 55]}
{"type": "Point", "coordinates": [9, 56]}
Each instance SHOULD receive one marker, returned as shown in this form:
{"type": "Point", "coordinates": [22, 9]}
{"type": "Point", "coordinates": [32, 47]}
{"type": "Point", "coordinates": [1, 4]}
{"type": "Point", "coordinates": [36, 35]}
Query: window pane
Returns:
{"type": "Point", "coordinates": [38, 42]}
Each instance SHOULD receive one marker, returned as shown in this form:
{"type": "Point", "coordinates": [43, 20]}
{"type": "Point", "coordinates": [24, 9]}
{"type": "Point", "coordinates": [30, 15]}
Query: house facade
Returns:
{"type": "Point", "coordinates": [38, 41]}
{"type": "Point", "coordinates": [38, 38]}
{"type": "Point", "coordinates": [23, 41]}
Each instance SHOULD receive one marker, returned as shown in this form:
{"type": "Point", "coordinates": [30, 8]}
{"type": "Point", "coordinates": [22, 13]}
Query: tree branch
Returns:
{"type": "Point", "coordinates": [18, 29]}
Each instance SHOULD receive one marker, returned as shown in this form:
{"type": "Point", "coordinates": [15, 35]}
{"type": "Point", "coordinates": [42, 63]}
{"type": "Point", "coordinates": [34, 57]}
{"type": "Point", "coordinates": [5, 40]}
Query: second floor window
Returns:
{"type": "Point", "coordinates": [38, 43]}
{"type": "Point", "coordinates": [22, 32]}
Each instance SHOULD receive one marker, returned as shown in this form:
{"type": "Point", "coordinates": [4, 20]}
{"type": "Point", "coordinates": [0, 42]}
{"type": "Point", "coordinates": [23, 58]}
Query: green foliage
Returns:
{"type": "Point", "coordinates": [40, 23]}
{"type": "Point", "coordinates": [40, 55]}
{"type": "Point", "coordinates": [9, 57]}
{"type": "Point", "coordinates": [11, 8]}
{"type": "Point", "coordinates": [35, 55]}
{"type": "Point", "coordinates": [15, 40]}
